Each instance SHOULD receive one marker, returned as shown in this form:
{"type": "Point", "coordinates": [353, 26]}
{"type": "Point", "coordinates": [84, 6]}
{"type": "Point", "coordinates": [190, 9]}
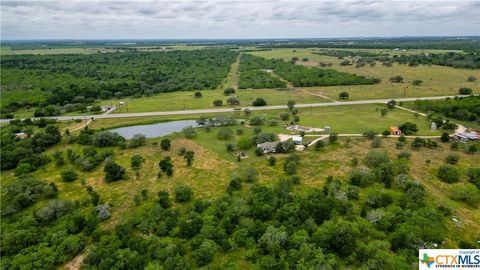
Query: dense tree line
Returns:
{"type": "Point", "coordinates": [303, 76]}
{"type": "Point", "coordinates": [467, 108]}
{"type": "Point", "coordinates": [469, 60]}
{"type": "Point", "coordinates": [81, 79]}
{"type": "Point", "coordinates": [27, 151]}
{"type": "Point", "coordinates": [439, 43]}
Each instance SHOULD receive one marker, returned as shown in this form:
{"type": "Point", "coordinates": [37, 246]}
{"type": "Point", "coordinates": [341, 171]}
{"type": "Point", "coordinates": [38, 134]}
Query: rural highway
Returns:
{"type": "Point", "coordinates": [224, 110]}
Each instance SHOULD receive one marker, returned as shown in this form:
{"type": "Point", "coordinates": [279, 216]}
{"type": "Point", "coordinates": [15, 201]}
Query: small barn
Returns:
{"type": "Point", "coordinates": [395, 131]}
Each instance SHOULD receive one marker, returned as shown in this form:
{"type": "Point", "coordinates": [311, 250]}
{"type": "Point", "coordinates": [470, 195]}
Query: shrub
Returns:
{"type": "Point", "coordinates": [233, 101]}
{"type": "Point", "coordinates": [218, 103]}
{"type": "Point", "coordinates": [370, 134]}
{"type": "Point", "coordinates": [284, 116]}
{"type": "Point", "coordinates": [136, 162]}
{"type": "Point", "coordinates": [197, 94]}
{"type": "Point", "coordinates": [344, 95]}
{"type": "Point", "coordinates": [471, 149]}
{"type": "Point", "coordinates": [256, 120]}
{"type": "Point", "coordinates": [319, 145]}
{"type": "Point", "coordinates": [230, 147]}
{"type": "Point", "coordinates": [69, 176]}
{"type": "Point", "coordinates": [376, 158]}
{"type": "Point", "coordinates": [408, 128]}
{"type": "Point", "coordinates": [468, 194]}
{"type": "Point", "coordinates": [445, 137]}
{"type": "Point", "coordinates": [53, 210]}
{"type": "Point", "coordinates": [471, 78]}
{"type": "Point", "coordinates": [333, 138]}
{"type": "Point", "coordinates": [473, 175]}
{"type": "Point", "coordinates": [224, 134]}
{"type": "Point", "coordinates": [291, 167]}
{"type": "Point", "coordinates": [258, 151]}
{"type": "Point", "coordinates": [404, 155]}
{"type": "Point", "coordinates": [164, 199]}
{"type": "Point", "coordinates": [376, 142]}
{"type": "Point", "coordinates": [272, 160]}
{"type": "Point", "coordinates": [137, 140]}
{"type": "Point", "coordinates": [244, 143]}
{"type": "Point", "coordinates": [250, 175]}
{"type": "Point", "coordinates": [235, 183]}
{"type": "Point", "coordinates": [106, 138]}
{"type": "Point", "coordinates": [452, 159]}
{"type": "Point", "coordinates": [417, 82]}
{"type": "Point", "coordinates": [113, 171]}
{"type": "Point", "coordinates": [448, 173]}
{"type": "Point", "coordinates": [204, 254]}
{"type": "Point", "coordinates": [228, 91]}
{"type": "Point", "coordinates": [189, 132]}
{"type": "Point", "coordinates": [166, 165]}
{"type": "Point", "coordinates": [183, 193]}
{"type": "Point", "coordinates": [396, 79]}
{"type": "Point", "coordinates": [259, 102]}
{"type": "Point", "coordinates": [165, 144]}
{"type": "Point", "coordinates": [465, 91]}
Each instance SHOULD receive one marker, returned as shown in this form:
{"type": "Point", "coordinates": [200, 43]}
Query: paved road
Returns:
{"type": "Point", "coordinates": [275, 107]}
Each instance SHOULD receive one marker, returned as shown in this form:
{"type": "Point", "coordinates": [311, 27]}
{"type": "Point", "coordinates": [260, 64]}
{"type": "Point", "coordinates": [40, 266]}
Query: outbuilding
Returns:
{"type": "Point", "coordinates": [466, 136]}
{"type": "Point", "coordinates": [395, 131]}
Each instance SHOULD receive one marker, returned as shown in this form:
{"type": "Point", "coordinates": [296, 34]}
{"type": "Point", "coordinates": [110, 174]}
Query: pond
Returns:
{"type": "Point", "coordinates": [155, 130]}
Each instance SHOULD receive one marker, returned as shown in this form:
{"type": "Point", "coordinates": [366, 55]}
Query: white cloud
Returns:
{"type": "Point", "coordinates": [236, 19]}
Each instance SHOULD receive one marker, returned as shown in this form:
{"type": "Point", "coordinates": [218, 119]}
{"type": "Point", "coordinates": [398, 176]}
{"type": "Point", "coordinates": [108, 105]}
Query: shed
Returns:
{"type": "Point", "coordinates": [395, 131]}
{"type": "Point", "coordinates": [297, 140]}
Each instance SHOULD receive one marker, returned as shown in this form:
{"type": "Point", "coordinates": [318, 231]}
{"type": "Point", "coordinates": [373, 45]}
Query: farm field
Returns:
{"type": "Point", "coordinates": [437, 80]}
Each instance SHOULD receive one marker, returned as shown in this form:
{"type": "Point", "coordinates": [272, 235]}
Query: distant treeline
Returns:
{"type": "Point", "coordinates": [303, 76]}
{"type": "Point", "coordinates": [467, 108]}
{"type": "Point", "coordinates": [451, 59]}
{"type": "Point", "coordinates": [448, 43]}
{"type": "Point", "coordinates": [438, 43]}
{"type": "Point", "coordinates": [83, 78]}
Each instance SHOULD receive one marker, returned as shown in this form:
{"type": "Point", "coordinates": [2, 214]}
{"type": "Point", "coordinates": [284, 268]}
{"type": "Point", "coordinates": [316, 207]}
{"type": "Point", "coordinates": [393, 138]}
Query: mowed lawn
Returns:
{"type": "Point", "coordinates": [437, 80]}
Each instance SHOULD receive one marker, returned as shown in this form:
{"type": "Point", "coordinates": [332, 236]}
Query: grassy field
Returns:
{"type": "Point", "coordinates": [342, 119]}
{"type": "Point", "coordinates": [437, 80]}
{"type": "Point", "coordinates": [177, 101]}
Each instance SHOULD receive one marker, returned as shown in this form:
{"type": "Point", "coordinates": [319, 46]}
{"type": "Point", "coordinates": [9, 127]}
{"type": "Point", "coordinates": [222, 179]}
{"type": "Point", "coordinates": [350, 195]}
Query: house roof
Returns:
{"type": "Point", "coordinates": [267, 144]}
{"type": "Point", "coordinates": [394, 129]}
{"type": "Point", "coordinates": [468, 135]}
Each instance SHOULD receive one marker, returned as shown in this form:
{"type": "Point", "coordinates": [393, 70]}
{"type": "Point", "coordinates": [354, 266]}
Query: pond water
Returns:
{"type": "Point", "coordinates": [155, 130]}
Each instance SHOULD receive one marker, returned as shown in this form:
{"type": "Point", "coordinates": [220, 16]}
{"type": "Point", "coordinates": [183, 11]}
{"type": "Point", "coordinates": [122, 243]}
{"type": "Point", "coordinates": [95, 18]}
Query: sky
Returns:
{"type": "Point", "coordinates": [74, 19]}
